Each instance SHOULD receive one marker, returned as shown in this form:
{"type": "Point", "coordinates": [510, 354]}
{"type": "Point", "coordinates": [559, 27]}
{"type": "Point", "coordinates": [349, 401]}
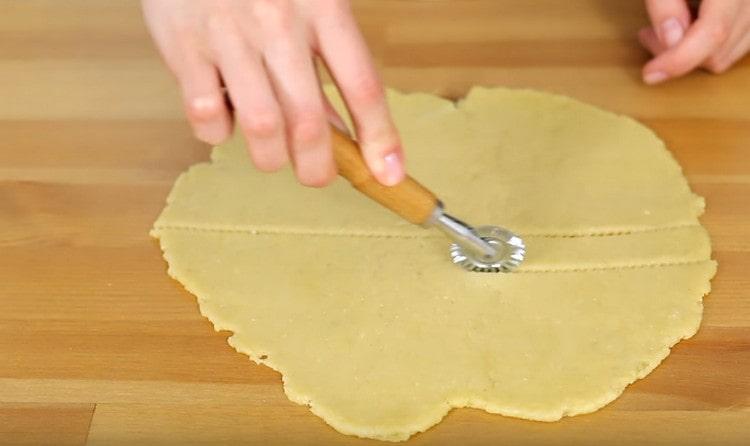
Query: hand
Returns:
{"type": "Point", "coordinates": [719, 37]}
{"type": "Point", "coordinates": [263, 52]}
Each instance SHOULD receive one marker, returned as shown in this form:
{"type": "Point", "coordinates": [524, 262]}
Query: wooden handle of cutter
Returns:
{"type": "Point", "coordinates": [409, 199]}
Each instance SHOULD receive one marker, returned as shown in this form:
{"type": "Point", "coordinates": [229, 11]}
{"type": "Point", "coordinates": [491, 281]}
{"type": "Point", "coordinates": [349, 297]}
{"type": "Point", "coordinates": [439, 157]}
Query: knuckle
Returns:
{"type": "Point", "coordinates": [335, 5]}
{"type": "Point", "coordinates": [218, 19]}
{"type": "Point", "coordinates": [185, 31]}
{"type": "Point", "coordinates": [368, 91]}
{"type": "Point", "coordinates": [216, 22]}
{"type": "Point", "coordinates": [716, 66]}
{"type": "Point", "coordinates": [262, 124]}
{"type": "Point", "coordinates": [221, 17]}
{"type": "Point", "coordinates": [273, 14]}
{"type": "Point", "coordinates": [310, 129]}
{"type": "Point", "coordinates": [679, 65]}
{"type": "Point", "coordinates": [719, 31]}
{"type": "Point", "coordinates": [205, 108]}
{"type": "Point", "coordinates": [271, 160]}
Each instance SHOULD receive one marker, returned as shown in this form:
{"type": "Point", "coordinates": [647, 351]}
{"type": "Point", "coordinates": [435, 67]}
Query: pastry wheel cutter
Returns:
{"type": "Point", "coordinates": [481, 249]}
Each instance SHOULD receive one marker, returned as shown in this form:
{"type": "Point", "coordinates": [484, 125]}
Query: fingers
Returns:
{"type": "Point", "coordinates": [199, 80]}
{"type": "Point", "coordinates": [256, 107]}
{"type": "Point", "coordinates": [263, 52]}
{"type": "Point", "coordinates": [706, 36]}
{"type": "Point", "coordinates": [290, 65]}
{"type": "Point", "coordinates": [730, 55]}
{"type": "Point", "coordinates": [735, 46]}
{"type": "Point", "coordinates": [670, 19]}
{"type": "Point", "coordinates": [648, 38]}
{"type": "Point", "coordinates": [333, 116]}
{"type": "Point", "coordinates": [204, 100]}
{"type": "Point", "coordinates": [740, 51]}
{"type": "Point", "coordinates": [346, 54]}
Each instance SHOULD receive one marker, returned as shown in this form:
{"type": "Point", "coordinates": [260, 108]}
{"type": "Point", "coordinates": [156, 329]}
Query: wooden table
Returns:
{"type": "Point", "coordinates": [98, 345]}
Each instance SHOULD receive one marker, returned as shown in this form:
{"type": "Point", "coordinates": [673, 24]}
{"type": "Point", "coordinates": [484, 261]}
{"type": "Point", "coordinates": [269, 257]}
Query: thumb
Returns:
{"type": "Point", "coordinates": [670, 19]}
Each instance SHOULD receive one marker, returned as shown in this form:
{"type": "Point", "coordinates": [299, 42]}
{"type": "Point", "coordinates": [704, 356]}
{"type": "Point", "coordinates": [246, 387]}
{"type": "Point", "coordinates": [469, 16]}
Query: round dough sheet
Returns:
{"type": "Point", "coordinates": [375, 329]}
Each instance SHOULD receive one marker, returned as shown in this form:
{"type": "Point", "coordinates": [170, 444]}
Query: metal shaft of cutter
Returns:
{"type": "Point", "coordinates": [462, 234]}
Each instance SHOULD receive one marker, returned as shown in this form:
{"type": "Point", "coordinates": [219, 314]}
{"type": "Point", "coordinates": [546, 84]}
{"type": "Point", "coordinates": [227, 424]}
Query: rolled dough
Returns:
{"type": "Point", "coordinates": [379, 334]}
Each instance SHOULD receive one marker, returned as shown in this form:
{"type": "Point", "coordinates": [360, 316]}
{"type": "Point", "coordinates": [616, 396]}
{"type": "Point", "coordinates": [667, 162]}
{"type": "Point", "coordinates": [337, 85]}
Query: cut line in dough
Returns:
{"type": "Point", "coordinates": [426, 234]}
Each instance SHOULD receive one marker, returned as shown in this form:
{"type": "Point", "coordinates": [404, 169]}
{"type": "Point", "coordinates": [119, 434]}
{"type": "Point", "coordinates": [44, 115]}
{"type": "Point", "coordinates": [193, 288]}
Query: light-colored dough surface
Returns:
{"type": "Point", "coordinates": [372, 326]}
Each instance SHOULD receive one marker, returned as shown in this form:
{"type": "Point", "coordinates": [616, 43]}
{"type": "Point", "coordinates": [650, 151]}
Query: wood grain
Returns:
{"type": "Point", "coordinates": [118, 425]}
{"type": "Point", "coordinates": [44, 424]}
{"type": "Point", "coordinates": [93, 137]}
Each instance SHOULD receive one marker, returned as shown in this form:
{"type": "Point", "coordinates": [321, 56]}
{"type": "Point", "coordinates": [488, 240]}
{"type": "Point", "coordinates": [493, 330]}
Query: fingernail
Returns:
{"type": "Point", "coordinates": [671, 32]}
{"type": "Point", "coordinates": [205, 107]}
{"type": "Point", "coordinates": [655, 77]}
{"type": "Point", "coordinates": [393, 169]}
